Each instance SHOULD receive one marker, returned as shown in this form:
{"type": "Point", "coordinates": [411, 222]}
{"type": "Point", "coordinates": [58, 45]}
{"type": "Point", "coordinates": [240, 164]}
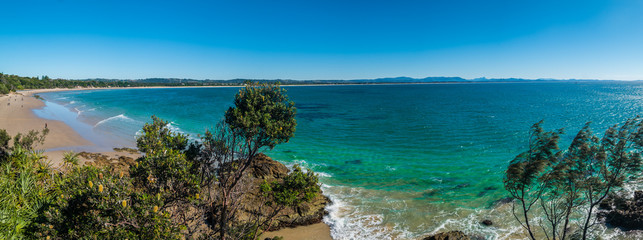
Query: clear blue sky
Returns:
{"type": "Point", "coordinates": [322, 39]}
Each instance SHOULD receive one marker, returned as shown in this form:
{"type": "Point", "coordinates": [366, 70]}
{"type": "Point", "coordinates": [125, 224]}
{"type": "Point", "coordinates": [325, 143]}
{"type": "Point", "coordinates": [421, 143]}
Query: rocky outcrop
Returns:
{"type": "Point", "coordinates": [266, 169]}
{"type": "Point", "coordinates": [451, 235]}
{"type": "Point", "coordinates": [118, 163]}
{"type": "Point", "coordinates": [127, 150]}
{"type": "Point", "coordinates": [619, 212]}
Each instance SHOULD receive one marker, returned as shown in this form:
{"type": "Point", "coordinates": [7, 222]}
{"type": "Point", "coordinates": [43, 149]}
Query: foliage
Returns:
{"type": "Point", "coordinates": [26, 142]}
{"type": "Point", "coordinates": [23, 193]}
{"type": "Point", "coordinates": [527, 168]}
{"type": "Point", "coordinates": [298, 187]}
{"type": "Point", "coordinates": [164, 169]}
{"type": "Point", "coordinates": [96, 203]}
{"type": "Point", "coordinates": [579, 177]}
{"type": "Point", "coordinates": [263, 115]}
{"type": "Point", "coordinates": [162, 188]}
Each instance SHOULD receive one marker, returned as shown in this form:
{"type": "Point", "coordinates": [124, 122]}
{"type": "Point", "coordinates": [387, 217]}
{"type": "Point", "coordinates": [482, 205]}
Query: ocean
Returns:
{"type": "Point", "coordinates": [398, 161]}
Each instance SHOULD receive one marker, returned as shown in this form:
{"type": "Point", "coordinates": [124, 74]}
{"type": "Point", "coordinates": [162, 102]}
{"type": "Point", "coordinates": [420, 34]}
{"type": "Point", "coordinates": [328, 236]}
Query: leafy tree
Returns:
{"type": "Point", "coordinates": [164, 169]}
{"type": "Point", "coordinates": [262, 117]}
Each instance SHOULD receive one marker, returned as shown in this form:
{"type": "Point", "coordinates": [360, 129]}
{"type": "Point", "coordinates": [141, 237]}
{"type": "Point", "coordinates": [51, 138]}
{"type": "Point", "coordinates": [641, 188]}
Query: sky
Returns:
{"type": "Point", "coordinates": [322, 39]}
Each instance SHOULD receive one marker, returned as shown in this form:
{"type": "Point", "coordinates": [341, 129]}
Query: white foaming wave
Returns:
{"type": "Point", "coordinates": [348, 222]}
{"type": "Point", "coordinates": [353, 226]}
{"type": "Point", "coordinates": [117, 117]}
{"type": "Point", "coordinates": [471, 226]}
{"type": "Point", "coordinates": [174, 127]}
{"type": "Point", "coordinates": [323, 174]}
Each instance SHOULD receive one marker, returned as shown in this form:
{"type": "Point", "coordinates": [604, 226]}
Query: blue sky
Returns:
{"type": "Point", "coordinates": [315, 39]}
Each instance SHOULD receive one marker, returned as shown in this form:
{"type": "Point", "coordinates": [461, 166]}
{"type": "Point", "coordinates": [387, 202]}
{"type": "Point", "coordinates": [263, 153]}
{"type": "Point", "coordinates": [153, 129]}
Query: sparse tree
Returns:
{"type": "Point", "coordinates": [580, 177]}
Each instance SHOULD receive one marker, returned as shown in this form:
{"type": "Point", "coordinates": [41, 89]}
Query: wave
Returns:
{"type": "Point", "coordinates": [323, 174]}
{"type": "Point", "coordinates": [117, 117]}
{"type": "Point", "coordinates": [346, 222]}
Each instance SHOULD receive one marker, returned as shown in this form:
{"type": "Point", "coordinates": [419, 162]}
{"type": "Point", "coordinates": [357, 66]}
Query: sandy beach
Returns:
{"type": "Point", "coordinates": [17, 116]}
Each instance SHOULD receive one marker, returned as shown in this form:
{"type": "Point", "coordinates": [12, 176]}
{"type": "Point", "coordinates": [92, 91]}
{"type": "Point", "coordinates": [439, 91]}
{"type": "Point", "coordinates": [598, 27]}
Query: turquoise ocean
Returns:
{"type": "Point", "coordinates": [398, 161]}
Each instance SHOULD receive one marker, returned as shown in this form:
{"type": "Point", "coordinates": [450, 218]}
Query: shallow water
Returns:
{"type": "Point", "coordinates": [399, 161]}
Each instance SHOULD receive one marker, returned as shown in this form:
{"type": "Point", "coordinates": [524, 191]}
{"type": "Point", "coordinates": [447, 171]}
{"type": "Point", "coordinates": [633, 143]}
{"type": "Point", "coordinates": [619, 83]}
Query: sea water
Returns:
{"type": "Point", "coordinates": [398, 161]}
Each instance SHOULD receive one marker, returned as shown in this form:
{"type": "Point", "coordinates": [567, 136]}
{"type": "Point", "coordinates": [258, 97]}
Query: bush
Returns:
{"type": "Point", "coordinates": [96, 203]}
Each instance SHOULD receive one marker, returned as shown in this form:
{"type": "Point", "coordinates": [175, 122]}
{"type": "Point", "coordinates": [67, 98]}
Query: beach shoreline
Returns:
{"type": "Point", "coordinates": [17, 116]}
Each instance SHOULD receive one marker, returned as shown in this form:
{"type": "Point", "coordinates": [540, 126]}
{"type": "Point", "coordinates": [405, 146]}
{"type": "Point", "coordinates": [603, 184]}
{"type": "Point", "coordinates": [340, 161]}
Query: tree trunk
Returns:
{"type": "Point", "coordinates": [524, 211]}
{"type": "Point", "coordinates": [223, 226]}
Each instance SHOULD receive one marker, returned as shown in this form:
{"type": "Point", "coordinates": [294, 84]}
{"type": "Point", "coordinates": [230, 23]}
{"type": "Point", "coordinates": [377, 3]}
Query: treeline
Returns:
{"type": "Point", "coordinates": [176, 190]}
{"type": "Point", "coordinates": [12, 83]}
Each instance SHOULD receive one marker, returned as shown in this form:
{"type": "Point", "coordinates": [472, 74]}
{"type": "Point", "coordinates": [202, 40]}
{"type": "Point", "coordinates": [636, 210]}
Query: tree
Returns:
{"type": "Point", "coordinates": [262, 117]}
{"type": "Point", "coordinates": [26, 142]}
{"type": "Point", "coordinates": [616, 158]}
{"type": "Point", "coordinates": [524, 171]}
{"type": "Point", "coordinates": [164, 169]}
{"type": "Point", "coordinates": [581, 176]}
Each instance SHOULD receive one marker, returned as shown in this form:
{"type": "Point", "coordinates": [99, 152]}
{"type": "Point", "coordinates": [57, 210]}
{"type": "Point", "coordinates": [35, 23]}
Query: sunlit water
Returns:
{"type": "Point", "coordinates": [398, 161]}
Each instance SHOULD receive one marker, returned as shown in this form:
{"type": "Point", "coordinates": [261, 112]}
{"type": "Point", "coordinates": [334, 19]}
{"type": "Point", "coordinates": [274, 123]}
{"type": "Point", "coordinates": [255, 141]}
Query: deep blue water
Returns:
{"type": "Point", "coordinates": [399, 161]}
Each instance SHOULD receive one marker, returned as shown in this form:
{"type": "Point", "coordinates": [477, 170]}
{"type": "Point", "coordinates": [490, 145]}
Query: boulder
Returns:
{"type": "Point", "coordinates": [626, 214]}
{"type": "Point", "coordinates": [487, 222]}
{"type": "Point", "coordinates": [451, 235]}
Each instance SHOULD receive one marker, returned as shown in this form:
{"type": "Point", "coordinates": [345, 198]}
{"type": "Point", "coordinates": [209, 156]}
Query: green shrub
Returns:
{"type": "Point", "coordinates": [96, 203]}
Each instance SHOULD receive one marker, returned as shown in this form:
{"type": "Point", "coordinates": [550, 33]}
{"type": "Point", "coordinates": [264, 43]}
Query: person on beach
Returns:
{"type": "Point", "coordinates": [45, 125]}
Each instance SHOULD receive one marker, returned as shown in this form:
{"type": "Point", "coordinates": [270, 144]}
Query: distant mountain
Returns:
{"type": "Point", "coordinates": [396, 80]}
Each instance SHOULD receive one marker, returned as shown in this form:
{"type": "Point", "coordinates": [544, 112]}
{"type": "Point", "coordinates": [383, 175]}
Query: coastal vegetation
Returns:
{"type": "Point", "coordinates": [12, 83]}
{"type": "Point", "coordinates": [563, 188]}
{"type": "Point", "coordinates": [176, 190]}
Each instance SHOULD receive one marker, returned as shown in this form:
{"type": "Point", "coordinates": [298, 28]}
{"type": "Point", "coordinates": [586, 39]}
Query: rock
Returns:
{"type": "Point", "coordinates": [502, 201]}
{"type": "Point", "coordinates": [119, 164]}
{"type": "Point", "coordinates": [626, 214]}
{"type": "Point", "coordinates": [127, 150]}
{"type": "Point", "coordinates": [487, 222]}
{"type": "Point", "coordinates": [357, 161]}
{"type": "Point", "coordinates": [451, 235]}
{"type": "Point", "coordinates": [266, 168]}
